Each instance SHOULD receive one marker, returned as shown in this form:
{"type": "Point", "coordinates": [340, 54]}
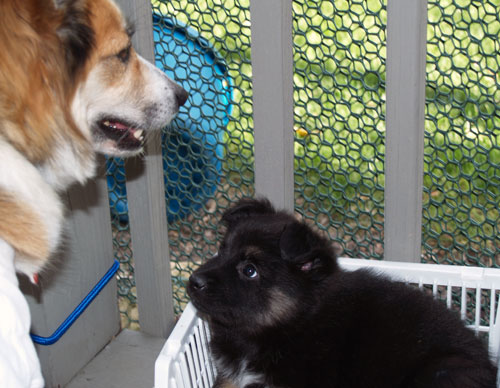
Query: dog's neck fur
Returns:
{"type": "Point", "coordinates": [68, 165]}
{"type": "Point", "coordinates": [37, 189]}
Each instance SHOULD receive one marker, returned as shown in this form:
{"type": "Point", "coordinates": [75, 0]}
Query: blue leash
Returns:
{"type": "Point", "coordinates": [78, 310]}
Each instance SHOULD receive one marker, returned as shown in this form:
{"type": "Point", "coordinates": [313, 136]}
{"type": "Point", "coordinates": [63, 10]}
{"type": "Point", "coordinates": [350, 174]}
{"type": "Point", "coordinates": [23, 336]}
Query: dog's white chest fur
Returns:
{"type": "Point", "coordinates": [25, 182]}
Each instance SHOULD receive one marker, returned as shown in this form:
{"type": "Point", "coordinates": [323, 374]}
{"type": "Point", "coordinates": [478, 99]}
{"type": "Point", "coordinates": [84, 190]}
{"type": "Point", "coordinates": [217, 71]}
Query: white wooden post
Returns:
{"type": "Point", "coordinates": [147, 210]}
{"type": "Point", "coordinates": [405, 80]}
{"type": "Point", "coordinates": [272, 80]}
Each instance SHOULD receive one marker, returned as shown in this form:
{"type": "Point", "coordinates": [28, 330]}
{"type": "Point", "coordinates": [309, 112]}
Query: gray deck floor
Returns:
{"type": "Point", "coordinates": [127, 362]}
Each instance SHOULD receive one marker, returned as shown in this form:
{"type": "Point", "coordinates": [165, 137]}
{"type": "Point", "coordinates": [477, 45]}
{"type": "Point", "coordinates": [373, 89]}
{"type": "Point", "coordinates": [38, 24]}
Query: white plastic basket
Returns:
{"type": "Point", "coordinates": [184, 361]}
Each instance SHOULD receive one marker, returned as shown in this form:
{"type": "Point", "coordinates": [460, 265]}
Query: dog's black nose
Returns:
{"type": "Point", "coordinates": [181, 96]}
{"type": "Point", "coordinates": [198, 282]}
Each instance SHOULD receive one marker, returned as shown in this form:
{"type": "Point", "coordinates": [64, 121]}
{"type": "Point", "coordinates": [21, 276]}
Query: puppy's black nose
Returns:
{"type": "Point", "coordinates": [181, 96]}
{"type": "Point", "coordinates": [198, 282]}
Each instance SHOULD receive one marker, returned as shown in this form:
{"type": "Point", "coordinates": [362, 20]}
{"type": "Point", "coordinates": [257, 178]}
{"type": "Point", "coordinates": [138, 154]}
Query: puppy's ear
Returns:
{"type": "Point", "coordinates": [306, 249]}
{"type": "Point", "coordinates": [245, 208]}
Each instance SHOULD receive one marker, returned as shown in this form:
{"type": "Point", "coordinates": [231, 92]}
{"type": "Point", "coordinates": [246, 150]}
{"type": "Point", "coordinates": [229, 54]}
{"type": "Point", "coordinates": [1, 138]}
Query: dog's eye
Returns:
{"type": "Point", "coordinates": [250, 271]}
{"type": "Point", "coordinates": [124, 55]}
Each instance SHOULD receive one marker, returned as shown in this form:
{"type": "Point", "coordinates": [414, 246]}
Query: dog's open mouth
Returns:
{"type": "Point", "coordinates": [127, 136]}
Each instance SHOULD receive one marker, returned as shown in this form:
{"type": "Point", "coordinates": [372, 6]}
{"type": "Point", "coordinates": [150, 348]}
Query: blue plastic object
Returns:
{"type": "Point", "coordinates": [193, 143]}
{"type": "Point", "coordinates": [78, 310]}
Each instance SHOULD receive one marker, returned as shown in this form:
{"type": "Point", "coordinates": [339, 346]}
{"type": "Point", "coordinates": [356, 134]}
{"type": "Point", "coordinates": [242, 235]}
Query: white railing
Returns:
{"type": "Point", "coordinates": [405, 89]}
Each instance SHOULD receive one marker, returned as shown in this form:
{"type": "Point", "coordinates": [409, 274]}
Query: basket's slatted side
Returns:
{"type": "Point", "coordinates": [456, 276]}
{"type": "Point", "coordinates": [494, 337]}
{"type": "Point", "coordinates": [174, 378]}
{"type": "Point", "coordinates": [191, 361]}
{"type": "Point", "coordinates": [201, 379]}
{"type": "Point", "coordinates": [190, 364]}
{"type": "Point", "coordinates": [207, 362]}
{"type": "Point", "coordinates": [463, 303]}
{"type": "Point", "coordinates": [448, 296]}
{"type": "Point", "coordinates": [180, 375]}
{"type": "Point", "coordinates": [196, 358]}
{"type": "Point", "coordinates": [195, 365]}
{"type": "Point", "coordinates": [477, 320]}
{"type": "Point", "coordinates": [184, 375]}
{"type": "Point", "coordinates": [213, 372]}
{"type": "Point", "coordinates": [199, 361]}
{"type": "Point", "coordinates": [461, 289]}
{"type": "Point", "coordinates": [492, 310]}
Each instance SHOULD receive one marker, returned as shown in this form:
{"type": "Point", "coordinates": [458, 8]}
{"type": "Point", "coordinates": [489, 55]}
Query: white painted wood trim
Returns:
{"type": "Point", "coordinates": [147, 207]}
{"type": "Point", "coordinates": [272, 80]}
{"type": "Point", "coordinates": [405, 86]}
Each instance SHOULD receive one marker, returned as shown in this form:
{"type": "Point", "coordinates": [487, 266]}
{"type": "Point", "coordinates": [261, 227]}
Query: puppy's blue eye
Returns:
{"type": "Point", "coordinates": [249, 271]}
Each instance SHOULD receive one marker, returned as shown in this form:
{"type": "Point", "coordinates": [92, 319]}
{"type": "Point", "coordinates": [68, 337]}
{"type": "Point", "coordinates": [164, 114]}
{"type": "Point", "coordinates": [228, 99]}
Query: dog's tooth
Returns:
{"type": "Point", "coordinates": [138, 134]}
{"type": "Point", "coordinates": [106, 123]}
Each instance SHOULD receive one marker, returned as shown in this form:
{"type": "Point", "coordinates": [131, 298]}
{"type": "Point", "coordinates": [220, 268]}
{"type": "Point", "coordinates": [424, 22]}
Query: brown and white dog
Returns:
{"type": "Point", "coordinates": [71, 85]}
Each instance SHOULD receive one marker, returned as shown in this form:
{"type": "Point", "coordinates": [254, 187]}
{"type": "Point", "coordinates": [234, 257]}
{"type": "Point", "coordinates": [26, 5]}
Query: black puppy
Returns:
{"type": "Point", "coordinates": [283, 314]}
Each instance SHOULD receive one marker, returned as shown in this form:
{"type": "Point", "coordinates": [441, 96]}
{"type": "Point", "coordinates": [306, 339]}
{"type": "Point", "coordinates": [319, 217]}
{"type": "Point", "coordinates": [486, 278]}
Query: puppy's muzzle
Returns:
{"type": "Point", "coordinates": [198, 282]}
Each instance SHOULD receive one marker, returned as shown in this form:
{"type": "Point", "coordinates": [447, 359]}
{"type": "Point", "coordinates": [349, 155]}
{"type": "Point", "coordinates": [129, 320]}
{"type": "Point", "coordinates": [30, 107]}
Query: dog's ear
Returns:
{"type": "Point", "coordinates": [306, 249]}
{"type": "Point", "coordinates": [245, 208]}
{"type": "Point", "coordinates": [76, 35]}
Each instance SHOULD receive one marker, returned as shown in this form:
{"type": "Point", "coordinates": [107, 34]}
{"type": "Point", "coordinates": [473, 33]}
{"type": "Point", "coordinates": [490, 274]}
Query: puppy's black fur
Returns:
{"type": "Point", "coordinates": [283, 314]}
